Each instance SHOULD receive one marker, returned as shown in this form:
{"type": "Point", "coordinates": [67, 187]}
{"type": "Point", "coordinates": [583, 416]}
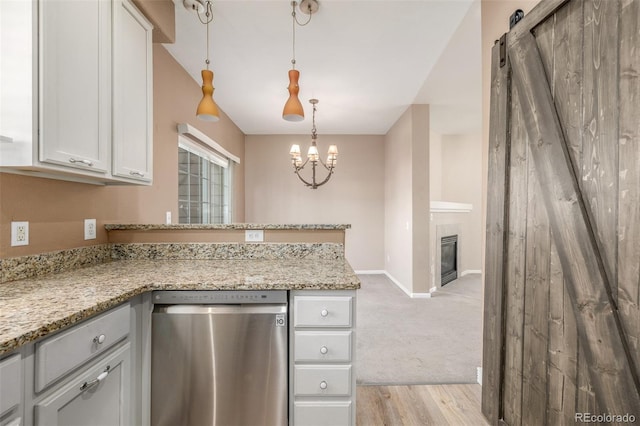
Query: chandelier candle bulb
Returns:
{"type": "Point", "coordinates": [313, 153]}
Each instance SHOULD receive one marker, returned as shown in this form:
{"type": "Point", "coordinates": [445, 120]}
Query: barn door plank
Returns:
{"type": "Point", "coordinates": [605, 346]}
{"type": "Point", "coordinates": [567, 81]}
{"type": "Point", "coordinates": [599, 183]}
{"type": "Point", "coordinates": [629, 175]}
{"type": "Point", "coordinates": [536, 313]}
{"type": "Point", "coordinates": [496, 257]}
{"type": "Point", "coordinates": [515, 272]}
{"type": "Point", "coordinates": [563, 348]}
{"type": "Point", "coordinates": [540, 13]}
{"type": "Point", "coordinates": [570, 386]}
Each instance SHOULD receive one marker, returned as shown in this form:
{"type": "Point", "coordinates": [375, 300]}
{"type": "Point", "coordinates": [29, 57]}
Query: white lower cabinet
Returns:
{"type": "Point", "coordinates": [11, 390]}
{"type": "Point", "coordinates": [83, 375]}
{"type": "Point", "coordinates": [323, 383]}
{"type": "Point", "coordinates": [99, 395]}
{"type": "Point", "coordinates": [318, 413]}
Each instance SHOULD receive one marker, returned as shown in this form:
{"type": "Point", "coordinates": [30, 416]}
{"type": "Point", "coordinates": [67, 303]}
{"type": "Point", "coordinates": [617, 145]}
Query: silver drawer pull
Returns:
{"type": "Point", "coordinates": [99, 339]}
{"type": "Point", "coordinates": [323, 385]}
{"type": "Point", "coordinates": [85, 162]}
{"type": "Point", "coordinates": [324, 312]}
{"type": "Point", "coordinates": [136, 173]}
{"type": "Point", "coordinates": [101, 377]}
{"type": "Point", "coordinates": [324, 350]}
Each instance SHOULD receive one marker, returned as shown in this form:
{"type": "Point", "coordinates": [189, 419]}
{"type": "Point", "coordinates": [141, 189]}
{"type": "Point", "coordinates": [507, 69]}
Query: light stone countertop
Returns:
{"type": "Point", "coordinates": [32, 308]}
{"type": "Point", "coordinates": [238, 226]}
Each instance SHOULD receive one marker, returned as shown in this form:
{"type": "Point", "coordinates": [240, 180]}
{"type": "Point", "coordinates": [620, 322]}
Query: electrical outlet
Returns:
{"type": "Point", "coordinates": [254, 235]}
{"type": "Point", "coordinates": [168, 218]}
{"type": "Point", "coordinates": [19, 234]}
{"type": "Point", "coordinates": [89, 229]}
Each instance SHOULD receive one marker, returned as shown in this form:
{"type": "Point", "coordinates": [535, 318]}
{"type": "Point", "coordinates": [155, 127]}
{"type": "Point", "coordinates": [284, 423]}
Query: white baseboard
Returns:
{"type": "Point", "coordinates": [479, 375]}
{"type": "Point", "coordinates": [370, 272]}
{"type": "Point", "coordinates": [470, 271]}
{"type": "Point", "coordinates": [408, 293]}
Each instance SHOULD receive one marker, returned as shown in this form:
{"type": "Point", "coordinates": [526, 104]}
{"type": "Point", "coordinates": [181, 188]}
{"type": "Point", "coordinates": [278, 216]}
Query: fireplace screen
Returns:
{"type": "Point", "coordinates": [449, 259]}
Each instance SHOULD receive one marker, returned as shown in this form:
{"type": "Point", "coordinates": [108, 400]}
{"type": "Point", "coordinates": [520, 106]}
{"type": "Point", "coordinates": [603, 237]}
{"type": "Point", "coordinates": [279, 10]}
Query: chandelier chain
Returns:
{"type": "Point", "coordinates": [313, 120]}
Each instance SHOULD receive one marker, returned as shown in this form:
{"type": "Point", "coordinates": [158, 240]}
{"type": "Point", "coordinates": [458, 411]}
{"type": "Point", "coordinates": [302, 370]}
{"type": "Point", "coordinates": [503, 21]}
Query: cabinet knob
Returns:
{"type": "Point", "coordinates": [81, 161]}
{"type": "Point", "coordinates": [324, 312]}
{"type": "Point", "coordinates": [324, 350]}
{"type": "Point", "coordinates": [323, 385]}
{"type": "Point", "coordinates": [136, 173]}
{"type": "Point", "coordinates": [99, 339]}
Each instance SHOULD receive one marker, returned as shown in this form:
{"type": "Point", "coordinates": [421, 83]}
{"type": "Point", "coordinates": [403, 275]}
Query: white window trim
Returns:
{"type": "Point", "coordinates": [207, 154]}
{"type": "Point", "coordinates": [197, 136]}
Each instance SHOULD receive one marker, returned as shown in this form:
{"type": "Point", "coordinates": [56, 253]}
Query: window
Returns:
{"type": "Point", "coordinates": [204, 184]}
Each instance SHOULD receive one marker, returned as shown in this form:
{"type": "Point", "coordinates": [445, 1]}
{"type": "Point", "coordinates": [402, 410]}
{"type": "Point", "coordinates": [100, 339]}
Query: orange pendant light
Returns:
{"type": "Point", "coordinates": [293, 110]}
{"type": "Point", "coordinates": [207, 108]}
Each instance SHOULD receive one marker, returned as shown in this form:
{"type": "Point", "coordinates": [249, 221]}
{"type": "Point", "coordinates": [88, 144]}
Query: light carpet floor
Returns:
{"type": "Point", "coordinates": [401, 340]}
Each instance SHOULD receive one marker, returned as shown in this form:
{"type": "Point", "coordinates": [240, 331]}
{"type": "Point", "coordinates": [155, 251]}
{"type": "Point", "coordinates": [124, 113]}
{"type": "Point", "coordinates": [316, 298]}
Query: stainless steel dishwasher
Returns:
{"type": "Point", "coordinates": [219, 358]}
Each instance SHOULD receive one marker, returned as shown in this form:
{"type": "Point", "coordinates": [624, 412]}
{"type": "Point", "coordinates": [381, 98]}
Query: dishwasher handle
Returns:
{"type": "Point", "coordinates": [221, 309]}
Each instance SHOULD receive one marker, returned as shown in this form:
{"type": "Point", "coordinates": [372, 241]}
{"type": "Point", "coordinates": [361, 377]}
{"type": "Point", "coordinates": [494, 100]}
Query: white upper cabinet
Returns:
{"type": "Point", "coordinates": [76, 91]}
{"type": "Point", "coordinates": [75, 84]}
{"type": "Point", "coordinates": [132, 106]}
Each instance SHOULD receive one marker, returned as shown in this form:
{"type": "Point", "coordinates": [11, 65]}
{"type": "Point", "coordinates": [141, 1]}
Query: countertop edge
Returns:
{"type": "Point", "coordinates": [58, 324]}
{"type": "Point", "coordinates": [230, 226]}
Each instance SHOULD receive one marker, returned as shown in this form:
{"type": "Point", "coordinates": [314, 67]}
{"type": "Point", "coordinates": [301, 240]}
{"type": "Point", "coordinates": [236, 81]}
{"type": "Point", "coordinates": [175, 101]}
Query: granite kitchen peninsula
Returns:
{"type": "Point", "coordinates": [69, 320]}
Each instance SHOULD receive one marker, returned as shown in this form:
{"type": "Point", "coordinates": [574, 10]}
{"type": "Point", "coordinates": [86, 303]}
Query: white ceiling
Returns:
{"type": "Point", "coordinates": [366, 61]}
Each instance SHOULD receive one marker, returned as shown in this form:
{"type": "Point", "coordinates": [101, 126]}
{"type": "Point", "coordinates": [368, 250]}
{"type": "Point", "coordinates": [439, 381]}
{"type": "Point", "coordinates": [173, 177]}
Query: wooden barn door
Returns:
{"type": "Point", "coordinates": [561, 319]}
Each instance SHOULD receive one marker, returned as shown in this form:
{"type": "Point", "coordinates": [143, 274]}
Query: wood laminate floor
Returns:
{"type": "Point", "coordinates": [410, 405]}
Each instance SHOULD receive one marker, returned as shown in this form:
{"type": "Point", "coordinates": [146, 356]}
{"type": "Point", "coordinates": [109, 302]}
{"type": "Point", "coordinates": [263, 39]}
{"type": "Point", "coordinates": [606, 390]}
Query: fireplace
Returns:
{"type": "Point", "coordinates": [449, 259]}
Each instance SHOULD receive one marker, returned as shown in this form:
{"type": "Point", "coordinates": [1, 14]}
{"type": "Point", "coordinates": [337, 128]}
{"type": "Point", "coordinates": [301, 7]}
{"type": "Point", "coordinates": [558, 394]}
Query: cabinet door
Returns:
{"type": "Point", "coordinates": [85, 401]}
{"type": "Point", "coordinates": [75, 84]}
{"type": "Point", "coordinates": [132, 119]}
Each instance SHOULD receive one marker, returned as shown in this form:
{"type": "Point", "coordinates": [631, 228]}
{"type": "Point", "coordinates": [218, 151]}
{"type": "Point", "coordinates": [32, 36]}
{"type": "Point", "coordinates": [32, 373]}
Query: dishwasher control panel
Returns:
{"type": "Point", "coordinates": [218, 297]}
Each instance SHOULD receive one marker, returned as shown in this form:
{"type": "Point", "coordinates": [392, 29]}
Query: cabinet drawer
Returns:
{"type": "Point", "coordinates": [63, 352]}
{"type": "Point", "coordinates": [323, 380]}
{"type": "Point", "coordinates": [322, 311]}
{"type": "Point", "coordinates": [99, 396]}
{"type": "Point", "coordinates": [10, 383]}
{"type": "Point", "coordinates": [314, 413]}
{"type": "Point", "coordinates": [333, 346]}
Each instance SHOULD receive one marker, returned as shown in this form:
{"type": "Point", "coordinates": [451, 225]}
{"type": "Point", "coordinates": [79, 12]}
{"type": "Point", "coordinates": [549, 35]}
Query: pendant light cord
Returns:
{"type": "Point", "coordinates": [208, 18]}
{"type": "Point", "coordinates": [295, 21]}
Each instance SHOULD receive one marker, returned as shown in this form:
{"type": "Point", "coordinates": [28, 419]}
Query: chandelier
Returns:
{"type": "Point", "coordinates": [313, 156]}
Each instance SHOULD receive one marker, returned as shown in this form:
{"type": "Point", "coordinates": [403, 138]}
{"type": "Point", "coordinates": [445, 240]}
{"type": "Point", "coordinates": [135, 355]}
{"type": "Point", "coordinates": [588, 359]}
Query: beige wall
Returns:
{"type": "Point", "coordinates": [354, 195]}
{"type": "Point", "coordinates": [406, 201]}
{"type": "Point", "coordinates": [462, 183]}
{"type": "Point", "coordinates": [435, 166]}
{"type": "Point", "coordinates": [56, 209]}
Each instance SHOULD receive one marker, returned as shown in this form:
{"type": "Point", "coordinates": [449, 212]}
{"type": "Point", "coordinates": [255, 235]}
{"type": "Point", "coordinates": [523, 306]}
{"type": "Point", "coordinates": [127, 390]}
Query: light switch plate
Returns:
{"type": "Point", "coordinates": [254, 235]}
{"type": "Point", "coordinates": [19, 234]}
